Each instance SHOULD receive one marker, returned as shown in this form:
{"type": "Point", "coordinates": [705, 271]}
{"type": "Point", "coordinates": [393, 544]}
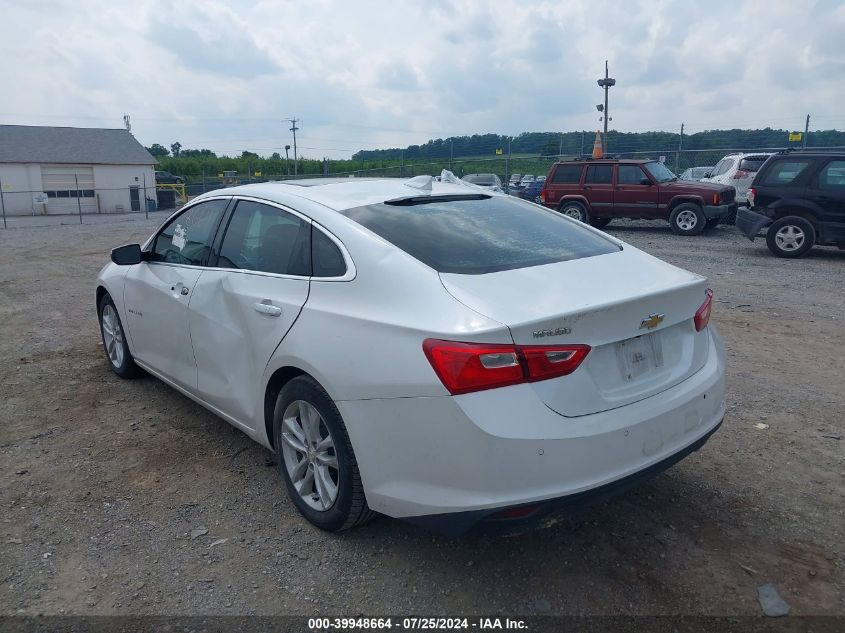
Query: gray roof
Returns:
{"type": "Point", "coordinates": [37, 144]}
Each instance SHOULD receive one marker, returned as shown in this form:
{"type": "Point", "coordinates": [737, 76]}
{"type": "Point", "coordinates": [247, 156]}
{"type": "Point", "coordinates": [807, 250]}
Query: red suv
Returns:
{"type": "Point", "coordinates": [596, 191]}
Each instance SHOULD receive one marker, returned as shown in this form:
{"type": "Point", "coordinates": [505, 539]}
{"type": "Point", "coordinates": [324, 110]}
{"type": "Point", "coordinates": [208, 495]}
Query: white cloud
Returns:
{"type": "Point", "coordinates": [224, 75]}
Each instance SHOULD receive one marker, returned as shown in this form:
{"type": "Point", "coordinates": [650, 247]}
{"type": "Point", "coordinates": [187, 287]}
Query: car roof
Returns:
{"type": "Point", "coordinates": [344, 193]}
{"type": "Point", "coordinates": [585, 161]}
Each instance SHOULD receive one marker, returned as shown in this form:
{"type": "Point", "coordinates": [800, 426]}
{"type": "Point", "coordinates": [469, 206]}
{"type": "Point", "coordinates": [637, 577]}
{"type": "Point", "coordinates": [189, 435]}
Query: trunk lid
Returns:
{"type": "Point", "coordinates": [602, 301]}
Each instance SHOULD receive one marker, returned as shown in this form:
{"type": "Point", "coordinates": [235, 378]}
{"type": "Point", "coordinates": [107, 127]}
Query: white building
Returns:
{"type": "Point", "coordinates": [56, 170]}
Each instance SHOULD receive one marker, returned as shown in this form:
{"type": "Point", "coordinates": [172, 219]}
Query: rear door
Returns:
{"type": "Point", "coordinates": [828, 192]}
{"type": "Point", "coordinates": [633, 198]}
{"type": "Point", "coordinates": [598, 189]}
{"type": "Point", "coordinates": [244, 305]}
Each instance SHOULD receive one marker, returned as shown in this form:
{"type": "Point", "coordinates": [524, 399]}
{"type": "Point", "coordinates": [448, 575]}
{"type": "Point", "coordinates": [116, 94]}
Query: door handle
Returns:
{"type": "Point", "coordinates": [185, 290]}
{"type": "Point", "coordinates": [267, 308]}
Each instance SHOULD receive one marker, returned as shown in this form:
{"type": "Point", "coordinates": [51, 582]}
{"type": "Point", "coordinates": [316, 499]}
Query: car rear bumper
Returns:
{"type": "Point", "coordinates": [750, 223]}
{"type": "Point", "coordinates": [718, 211]}
{"type": "Point", "coordinates": [450, 462]}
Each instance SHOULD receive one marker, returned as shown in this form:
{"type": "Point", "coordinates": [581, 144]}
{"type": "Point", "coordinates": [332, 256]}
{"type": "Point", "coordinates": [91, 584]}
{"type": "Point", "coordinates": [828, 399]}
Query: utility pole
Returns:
{"type": "Point", "coordinates": [806, 131]}
{"type": "Point", "coordinates": [402, 165]}
{"type": "Point", "coordinates": [287, 160]}
{"type": "Point", "coordinates": [78, 201]}
{"type": "Point", "coordinates": [450, 154]}
{"type": "Point", "coordinates": [680, 146]}
{"type": "Point", "coordinates": [560, 147]}
{"type": "Point", "coordinates": [508, 165]}
{"type": "Point", "coordinates": [606, 84]}
{"type": "Point", "coordinates": [582, 144]}
{"type": "Point", "coordinates": [294, 129]}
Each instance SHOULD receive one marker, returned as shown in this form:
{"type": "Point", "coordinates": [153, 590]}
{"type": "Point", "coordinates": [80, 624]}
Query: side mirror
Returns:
{"type": "Point", "coordinates": [645, 181]}
{"type": "Point", "coordinates": [707, 175]}
{"type": "Point", "coordinates": [127, 255]}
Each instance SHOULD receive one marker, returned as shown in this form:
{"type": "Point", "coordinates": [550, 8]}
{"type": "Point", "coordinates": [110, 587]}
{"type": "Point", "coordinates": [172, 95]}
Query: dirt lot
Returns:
{"type": "Point", "coordinates": [103, 480]}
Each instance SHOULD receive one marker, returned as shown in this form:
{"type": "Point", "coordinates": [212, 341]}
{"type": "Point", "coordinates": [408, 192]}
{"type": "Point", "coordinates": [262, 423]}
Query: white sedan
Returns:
{"type": "Point", "coordinates": [421, 349]}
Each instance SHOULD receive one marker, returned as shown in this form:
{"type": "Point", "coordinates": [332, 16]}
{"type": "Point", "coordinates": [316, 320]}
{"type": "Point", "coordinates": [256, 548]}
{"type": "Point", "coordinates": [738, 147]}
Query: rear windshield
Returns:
{"type": "Point", "coordinates": [752, 163]}
{"type": "Point", "coordinates": [480, 179]}
{"type": "Point", "coordinates": [474, 237]}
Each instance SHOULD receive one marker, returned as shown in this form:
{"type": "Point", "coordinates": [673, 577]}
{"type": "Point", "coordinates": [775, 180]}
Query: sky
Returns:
{"type": "Point", "coordinates": [360, 74]}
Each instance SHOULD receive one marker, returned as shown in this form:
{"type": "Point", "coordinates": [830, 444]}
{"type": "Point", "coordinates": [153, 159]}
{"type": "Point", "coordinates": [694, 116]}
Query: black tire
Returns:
{"type": "Point", "coordinates": [574, 210]}
{"type": "Point", "coordinates": [600, 223]}
{"type": "Point", "coordinates": [687, 219]}
{"type": "Point", "coordinates": [121, 364]}
{"type": "Point", "coordinates": [350, 507]}
{"type": "Point", "coordinates": [791, 237]}
{"type": "Point", "coordinates": [712, 224]}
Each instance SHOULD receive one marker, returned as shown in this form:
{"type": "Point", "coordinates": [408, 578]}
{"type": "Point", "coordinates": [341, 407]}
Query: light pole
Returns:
{"type": "Point", "coordinates": [605, 83]}
{"type": "Point", "coordinates": [287, 159]}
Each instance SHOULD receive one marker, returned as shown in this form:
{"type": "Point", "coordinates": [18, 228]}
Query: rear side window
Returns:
{"type": "Point", "coordinates": [187, 238]}
{"type": "Point", "coordinates": [722, 166]}
{"type": "Point", "coordinates": [833, 176]}
{"type": "Point", "coordinates": [784, 172]}
{"type": "Point", "coordinates": [477, 236]}
{"type": "Point", "coordinates": [326, 256]}
{"type": "Point", "coordinates": [567, 175]}
{"type": "Point", "coordinates": [266, 239]}
{"type": "Point", "coordinates": [599, 174]}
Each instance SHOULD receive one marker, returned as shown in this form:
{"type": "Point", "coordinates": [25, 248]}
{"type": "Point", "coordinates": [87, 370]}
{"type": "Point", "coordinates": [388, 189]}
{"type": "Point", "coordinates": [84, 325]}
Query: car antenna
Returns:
{"type": "Point", "coordinates": [423, 183]}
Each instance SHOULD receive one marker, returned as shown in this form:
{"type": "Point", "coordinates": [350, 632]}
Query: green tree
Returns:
{"type": "Point", "coordinates": [158, 151]}
{"type": "Point", "coordinates": [175, 148]}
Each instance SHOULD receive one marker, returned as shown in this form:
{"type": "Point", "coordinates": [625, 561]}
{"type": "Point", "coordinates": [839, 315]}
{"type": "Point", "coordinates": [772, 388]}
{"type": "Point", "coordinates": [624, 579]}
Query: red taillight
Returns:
{"type": "Point", "coordinates": [716, 198]}
{"type": "Point", "coordinates": [741, 174]}
{"type": "Point", "coordinates": [466, 367]}
{"type": "Point", "coordinates": [702, 315]}
{"type": "Point", "coordinates": [751, 193]}
{"type": "Point", "coordinates": [543, 196]}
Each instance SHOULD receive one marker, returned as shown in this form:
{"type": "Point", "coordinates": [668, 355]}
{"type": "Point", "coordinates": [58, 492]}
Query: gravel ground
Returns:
{"type": "Point", "coordinates": [104, 480]}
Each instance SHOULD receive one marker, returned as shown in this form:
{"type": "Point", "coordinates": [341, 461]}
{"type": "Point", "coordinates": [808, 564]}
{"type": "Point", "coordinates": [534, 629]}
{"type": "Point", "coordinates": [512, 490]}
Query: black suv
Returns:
{"type": "Point", "coordinates": [800, 196]}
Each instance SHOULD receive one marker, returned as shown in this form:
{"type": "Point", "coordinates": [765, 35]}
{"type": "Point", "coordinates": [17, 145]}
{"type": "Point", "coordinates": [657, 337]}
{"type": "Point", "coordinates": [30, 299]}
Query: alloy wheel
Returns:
{"type": "Point", "coordinates": [789, 238]}
{"type": "Point", "coordinates": [112, 336]}
{"type": "Point", "coordinates": [686, 220]}
{"type": "Point", "coordinates": [574, 213]}
{"type": "Point", "coordinates": [309, 455]}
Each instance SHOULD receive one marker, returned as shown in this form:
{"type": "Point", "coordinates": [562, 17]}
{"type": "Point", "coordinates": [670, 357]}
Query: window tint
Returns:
{"type": "Point", "coordinates": [266, 239]}
{"type": "Point", "coordinates": [187, 239]}
{"type": "Point", "coordinates": [833, 176]}
{"type": "Point", "coordinates": [599, 174]}
{"type": "Point", "coordinates": [567, 175]}
{"type": "Point", "coordinates": [752, 163]}
{"type": "Point", "coordinates": [327, 260]}
{"type": "Point", "coordinates": [783, 172]}
{"type": "Point", "coordinates": [472, 236]}
{"type": "Point", "coordinates": [629, 175]}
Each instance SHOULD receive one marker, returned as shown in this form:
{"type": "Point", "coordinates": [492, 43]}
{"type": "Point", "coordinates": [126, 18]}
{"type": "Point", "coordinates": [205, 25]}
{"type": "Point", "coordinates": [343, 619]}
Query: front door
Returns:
{"type": "Point", "coordinates": [134, 198]}
{"type": "Point", "coordinates": [828, 192]}
{"type": "Point", "coordinates": [598, 189]}
{"type": "Point", "coordinates": [633, 198]}
{"type": "Point", "coordinates": [244, 306]}
{"type": "Point", "coordinates": [158, 291]}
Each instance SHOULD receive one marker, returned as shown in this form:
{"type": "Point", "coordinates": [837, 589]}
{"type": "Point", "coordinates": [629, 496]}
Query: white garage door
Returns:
{"type": "Point", "coordinates": [61, 185]}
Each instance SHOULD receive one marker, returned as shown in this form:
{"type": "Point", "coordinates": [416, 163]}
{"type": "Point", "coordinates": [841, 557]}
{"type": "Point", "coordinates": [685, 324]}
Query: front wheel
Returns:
{"type": "Point", "coordinates": [687, 219]}
{"type": "Point", "coordinates": [576, 211]}
{"type": "Point", "coordinates": [791, 236]}
{"type": "Point", "coordinates": [316, 458]}
{"type": "Point", "coordinates": [114, 340]}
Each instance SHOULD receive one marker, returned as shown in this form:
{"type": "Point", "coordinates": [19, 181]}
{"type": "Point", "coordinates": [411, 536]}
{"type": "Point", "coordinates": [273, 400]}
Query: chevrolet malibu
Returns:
{"type": "Point", "coordinates": [426, 350]}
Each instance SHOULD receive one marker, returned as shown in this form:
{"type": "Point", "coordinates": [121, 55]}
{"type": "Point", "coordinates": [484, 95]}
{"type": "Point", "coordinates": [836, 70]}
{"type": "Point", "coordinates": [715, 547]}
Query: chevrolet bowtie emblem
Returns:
{"type": "Point", "coordinates": [652, 321]}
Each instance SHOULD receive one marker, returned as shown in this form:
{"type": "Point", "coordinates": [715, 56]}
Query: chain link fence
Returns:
{"type": "Point", "coordinates": [32, 208]}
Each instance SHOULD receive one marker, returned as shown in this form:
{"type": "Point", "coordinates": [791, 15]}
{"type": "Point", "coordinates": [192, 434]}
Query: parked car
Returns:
{"type": "Point", "coordinates": [695, 173]}
{"type": "Point", "coordinates": [800, 197]}
{"type": "Point", "coordinates": [486, 181]}
{"type": "Point", "coordinates": [420, 349]}
{"type": "Point", "coordinates": [166, 178]}
{"type": "Point", "coordinates": [532, 191]}
{"type": "Point", "coordinates": [526, 179]}
{"type": "Point", "coordinates": [737, 170]}
{"type": "Point", "coordinates": [596, 191]}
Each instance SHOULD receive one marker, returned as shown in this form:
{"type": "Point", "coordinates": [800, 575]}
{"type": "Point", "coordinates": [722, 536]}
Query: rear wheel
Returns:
{"type": "Point", "coordinates": [792, 236]}
{"type": "Point", "coordinates": [575, 210]}
{"type": "Point", "coordinates": [600, 223]}
{"type": "Point", "coordinates": [316, 458]}
{"type": "Point", "coordinates": [687, 219]}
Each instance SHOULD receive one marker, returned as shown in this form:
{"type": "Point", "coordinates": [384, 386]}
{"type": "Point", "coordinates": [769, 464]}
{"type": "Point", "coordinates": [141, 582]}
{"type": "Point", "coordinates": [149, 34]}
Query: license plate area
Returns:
{"type": "Point", "coordinates": [640, 356]}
